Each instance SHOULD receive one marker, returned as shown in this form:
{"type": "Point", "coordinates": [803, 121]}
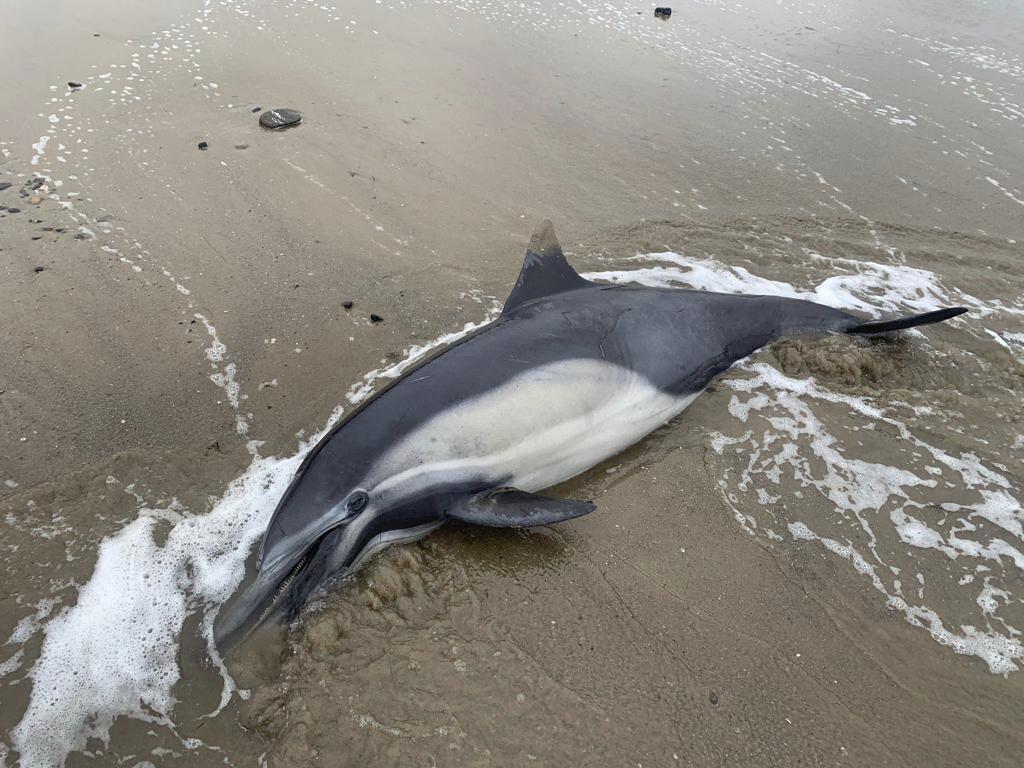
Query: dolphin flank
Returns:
{"type": "Point", "coordinates": [569, 374]}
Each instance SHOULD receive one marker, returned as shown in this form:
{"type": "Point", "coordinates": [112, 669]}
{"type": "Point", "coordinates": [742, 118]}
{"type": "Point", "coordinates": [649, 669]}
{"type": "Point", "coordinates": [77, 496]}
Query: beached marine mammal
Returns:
{"type": "Point", "coordinates": [571, 373]}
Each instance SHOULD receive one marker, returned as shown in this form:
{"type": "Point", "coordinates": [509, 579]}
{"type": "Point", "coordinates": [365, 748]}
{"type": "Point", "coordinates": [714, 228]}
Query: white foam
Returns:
{"type": "Point", "coordinates": [799, 443]}
{"type": "Point", "coordinates": [140, 593]}
{"type": "Point", "coordinates": [998, 651]}
{"type": "Point", "coordinates": [115, 652]}
{"type": "Point", "coordinates": [795, 442]}
{"type": "Point", "coordinates": [30, 624]}
{"type": "Point", "coordinates": [11, 664]}
{"type": "Point", "coordinates": [224, 376]}
{"type": "Point", "coordinates": [40, 148]}
{"type": "Point", "coordinates": [862, 286]}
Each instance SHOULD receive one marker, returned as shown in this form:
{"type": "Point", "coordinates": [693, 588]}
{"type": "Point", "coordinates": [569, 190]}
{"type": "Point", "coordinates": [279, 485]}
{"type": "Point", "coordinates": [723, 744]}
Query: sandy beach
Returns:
{"type": "Point", "coordinates": [820, 562]}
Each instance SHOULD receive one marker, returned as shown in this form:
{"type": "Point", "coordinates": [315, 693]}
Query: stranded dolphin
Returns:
{"type": "Point", "coordinates": [571, 373]}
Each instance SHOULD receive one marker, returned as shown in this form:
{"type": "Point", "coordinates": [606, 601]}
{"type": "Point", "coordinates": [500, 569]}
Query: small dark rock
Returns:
{"type": "Point", "coordinates": [662, 13]}
{"type": "Point", "coordinates": [376, 319]}
{"type": "Point", "coordinates": [713, 698]}
{"type": "Point", "coordinates": [4, 185]}
{"type": "Point", "coordinates": [241, 146]}
{"type": "Point", "coordinates": [73, 84]}
{"type": "Point", "coordinates": [95, 34]}
{"type": "Point", "coordinates": [36, 183]}
{"type": "Point", "coordinates": [37, 237]}
{"type": "Point", "coordinates": [203, 145]}
{"type": "Point", "coordinates": [256, 109]}
{"type": "Point", "coordinates": [347, 304]}
{"type": "Point", "coordinates": [280, 118]}
{"type": "Point", "coordinates": [37, 270]}
{"type": "Point", "coordinates": [14, 210]}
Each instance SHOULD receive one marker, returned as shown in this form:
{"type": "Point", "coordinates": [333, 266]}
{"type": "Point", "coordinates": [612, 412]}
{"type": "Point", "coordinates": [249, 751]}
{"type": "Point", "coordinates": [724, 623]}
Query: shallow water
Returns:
{"type": "Point", "coordinates": [820, 560]}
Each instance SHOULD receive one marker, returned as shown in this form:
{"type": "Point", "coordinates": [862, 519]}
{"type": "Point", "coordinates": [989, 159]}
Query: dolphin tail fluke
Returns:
{"type": "Point", "coordinates": [910, 321]}
{"type": "Point", "coordinates": [512, 508]}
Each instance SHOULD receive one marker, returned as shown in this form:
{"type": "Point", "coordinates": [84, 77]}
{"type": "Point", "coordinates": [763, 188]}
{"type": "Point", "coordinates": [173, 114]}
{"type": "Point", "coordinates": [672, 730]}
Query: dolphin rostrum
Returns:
{"type": "Point", "coordinates": [569, 374]}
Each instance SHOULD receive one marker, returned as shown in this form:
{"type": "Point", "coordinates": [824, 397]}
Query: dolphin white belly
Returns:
{"type": "Point", "coordinates": [542, 427]}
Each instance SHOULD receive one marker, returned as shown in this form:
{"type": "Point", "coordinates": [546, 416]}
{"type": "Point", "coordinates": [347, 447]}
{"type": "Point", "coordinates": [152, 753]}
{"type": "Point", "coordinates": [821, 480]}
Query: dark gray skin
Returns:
{"type": "Point", "coordinates": [678, 340]}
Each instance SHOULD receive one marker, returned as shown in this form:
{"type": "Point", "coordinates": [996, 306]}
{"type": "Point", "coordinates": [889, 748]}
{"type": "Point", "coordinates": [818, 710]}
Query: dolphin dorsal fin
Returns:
{"type": "Point", "coordinates": [545, 271]}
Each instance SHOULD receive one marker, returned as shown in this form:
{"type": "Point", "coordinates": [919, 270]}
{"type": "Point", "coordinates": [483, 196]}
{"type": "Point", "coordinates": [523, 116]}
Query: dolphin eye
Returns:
{"type": "Point", "coordinates": [357, 501]}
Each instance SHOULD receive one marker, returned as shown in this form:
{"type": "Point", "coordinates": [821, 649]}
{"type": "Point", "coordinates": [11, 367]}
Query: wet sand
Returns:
{"type": "Point", "coordinates": [691, 619]}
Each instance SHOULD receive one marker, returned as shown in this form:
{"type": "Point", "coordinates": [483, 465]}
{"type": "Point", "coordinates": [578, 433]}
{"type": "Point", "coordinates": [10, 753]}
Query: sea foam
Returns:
{"type": "Point", "coordinates": [795, 439]}
{"type": "Point", "coordinates": [115, 652]}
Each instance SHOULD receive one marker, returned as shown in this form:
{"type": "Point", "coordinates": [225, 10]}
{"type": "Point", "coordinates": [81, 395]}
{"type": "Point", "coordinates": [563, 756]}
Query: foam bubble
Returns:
{"type": "Point", "coordinates": [141, 593]}
{"type": "Point", "coordinates": [998, 651]}
{"type": "Point", "coordinates": [859, 489]}
{"type": "Point", "coordinates": [868, 287]}
{"type": "Point", "coordinates": [796, 442]}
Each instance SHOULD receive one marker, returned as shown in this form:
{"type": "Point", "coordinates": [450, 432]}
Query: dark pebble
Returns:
{"type": "Point", "coordinates": [73, 84]}
{"type": "Point", "coordinates": [4, 185]}
{"type": "Point", "coordinates": [37, 237]}
{"type": "Point", "coordinates": [713, 698]}
{"type": "Point", "coordinates": [14, 210]}
{"type": "Point", "coordinates": [280, 118]}
{"type": "Point", "coordinates": [662, 13]}
{"type": "Point", "coordinates": [347, 304]}
{"type": "Point", "coordinates": [256, 109]}
{"type": "Point", "coordinates": [376, 319]}
{"type": "Point", "coordinates": [241, 146]}
{"type": "Point", "coordinates": [203, 145]}
{"type": "Point", "coordinates": [37, 270]}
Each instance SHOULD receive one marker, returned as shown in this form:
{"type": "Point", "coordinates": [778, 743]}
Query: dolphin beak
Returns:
{"type": "Point", "coordinates": [259, 601]}
{"type": "Point", "coordinates": [277, 592]}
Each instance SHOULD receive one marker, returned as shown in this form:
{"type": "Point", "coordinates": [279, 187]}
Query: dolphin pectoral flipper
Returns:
{"type": "Point", "coordinates": [512, 508]}
{"type": "Point", "coordinates": [910, 321]}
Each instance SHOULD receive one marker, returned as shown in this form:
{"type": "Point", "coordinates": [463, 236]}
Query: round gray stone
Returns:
{"type": "Point", "coordinates": [279, 118]}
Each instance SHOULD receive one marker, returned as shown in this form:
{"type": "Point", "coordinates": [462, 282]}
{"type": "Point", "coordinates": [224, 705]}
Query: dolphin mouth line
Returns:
{"type": "Point", "coordinates": [283, 586]}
